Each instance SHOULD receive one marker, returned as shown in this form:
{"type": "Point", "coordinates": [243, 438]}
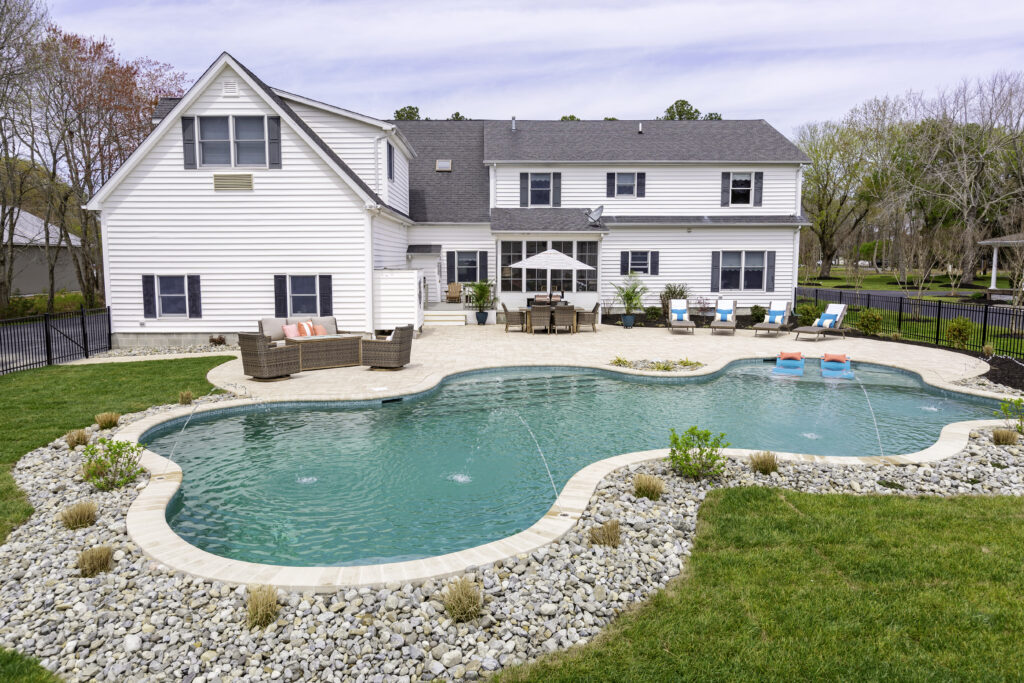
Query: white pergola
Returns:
{"type": "Point", "coordinates": [1014, 240]}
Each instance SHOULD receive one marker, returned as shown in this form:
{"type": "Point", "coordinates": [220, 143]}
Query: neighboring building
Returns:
{"type": "Point", "coordinates": [247, 200]}
{"type": "Point", "coordinates": [31, 274]}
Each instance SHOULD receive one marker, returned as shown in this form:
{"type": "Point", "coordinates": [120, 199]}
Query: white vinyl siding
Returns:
{"type": "Point", "coordinates": [468, 237]}
{"type": "Point", "coordinates": [397, 195]}
{"type": "Point", "coordinates": [670, 190]}
{"type": "Point", "coordinates": [389, 243]}
{"type": "Point", "coordinates": [300, 219]}
{"type": "Point", "coordinates": [686, 257]}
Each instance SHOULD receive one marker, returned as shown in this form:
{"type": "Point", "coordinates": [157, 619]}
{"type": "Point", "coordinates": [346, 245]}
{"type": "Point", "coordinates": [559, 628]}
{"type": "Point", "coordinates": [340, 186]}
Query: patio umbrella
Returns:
{"type": "Point", "coordinates": [551, 259]}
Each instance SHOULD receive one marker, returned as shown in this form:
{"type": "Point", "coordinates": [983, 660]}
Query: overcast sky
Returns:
{"type": "Point", "coordinates": [787, 62]}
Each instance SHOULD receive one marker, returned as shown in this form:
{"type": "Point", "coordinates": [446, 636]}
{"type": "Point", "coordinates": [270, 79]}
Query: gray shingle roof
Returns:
{"type": "Point", "coordinates": [29, 232]}
{"type": "Point", "coordinates": [164, 106]}
{"type": "Point", "coordinates": [459, 196]}
{"type": "Point", "coordinates": [705, 220]}
{"type": "Point", "coordinates": [423, 249]}
{"type": "Point", "coordinates": [544, 220]}
{"type": "Point", "coordinates": [574, 141]}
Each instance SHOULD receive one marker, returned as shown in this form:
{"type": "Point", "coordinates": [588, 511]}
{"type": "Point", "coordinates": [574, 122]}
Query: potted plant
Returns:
{"type": "Point", "coordinates": [481, 297]}
{"type": "Point", "coordinates": [631, 294]}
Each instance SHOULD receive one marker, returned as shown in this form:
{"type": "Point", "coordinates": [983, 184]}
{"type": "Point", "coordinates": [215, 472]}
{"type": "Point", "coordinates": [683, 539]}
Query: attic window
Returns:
{"type": "Point", "coordinates": [230, 88]}
{"type": "Point", "coordinates": [443, 165]}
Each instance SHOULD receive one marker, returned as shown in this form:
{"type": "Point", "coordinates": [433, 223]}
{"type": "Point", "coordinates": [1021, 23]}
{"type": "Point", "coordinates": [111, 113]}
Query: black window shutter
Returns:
{"type": "Point", "coordinates": [188, 142]}
{"type": "Point", "coordinates": [481, 266]}
{"type": "Point", "coordinates": [654, 262]}
{"type": "Point", "coordinates": [726, 180]}
{"type": "Point", "coordinates": [280, 296]}
{"type": "Point", "coordinates": [758, 187]}
{"type": "Point", "coordinates": [769, 273]}
{"type": "Point", "coordinates": [391, 161]}
{"type": "Point", "coordinates": [195, 297]}
{"type": "Point", "coordinates": [148, 296]}
{"type": "Point", "coordinates": [326, 295]}
{"type": "Point", "coordinates": [451, 267]}
{"type": "Point", "coordinates": [624, 263]}
{"type": "Point", "coordinates": [556, 189]}
{"type": "Point", "coordinates": [524, 189]}
{"type": "Point", "coordinates": [641, 184]}
{"type": "Point", "coordinates": [610, 185]}
{"type": "Point", "coordinates": [716, 269]}
{"type": "Point", "coordinates": [274, 141]}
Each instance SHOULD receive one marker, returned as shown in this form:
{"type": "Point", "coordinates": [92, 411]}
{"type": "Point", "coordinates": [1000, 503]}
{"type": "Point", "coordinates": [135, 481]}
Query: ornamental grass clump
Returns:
{"type": "Point", "coordinates": [79, 515]}
{"type": "Point", "coordinates": [462, 600]}
{"type": "Point", "coordinates": [696, 453]}
{"type": "Point", "coordinates": [648, 486]}
{"type": "Point", "coordinates": [76, 438]}
{"type": "Point", "coordinates": [111, 464]}
{"type": "Point", "coordinates": [185, 397]}
{"type": "Point", "coordinates": [620, 362]}
{"type": "Point", "coordinates": [764, 462]}
{"type": "Point", "coordinates": [95, 560]}
{"type": "Point", "coordinates": [606, 534]}
{"type": "Point", "coordinates": [1004, 437]}
{"type": "Point", "coordinates": [261, 605]}
{"type": "Point", "coordinates": [108, 420]}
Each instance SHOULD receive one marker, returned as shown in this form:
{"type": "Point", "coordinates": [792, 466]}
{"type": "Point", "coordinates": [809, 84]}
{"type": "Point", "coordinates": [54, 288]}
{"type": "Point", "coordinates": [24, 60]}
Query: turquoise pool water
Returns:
{"type": "Point", "coordinates": [337, 483]}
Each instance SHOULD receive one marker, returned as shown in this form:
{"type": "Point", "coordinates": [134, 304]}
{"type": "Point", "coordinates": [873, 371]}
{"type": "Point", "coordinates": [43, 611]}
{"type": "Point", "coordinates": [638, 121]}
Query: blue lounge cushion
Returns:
{"type": "Point", "coordinates": [826, 320]}
{"type": "Point", "coordinates": [724, 314]}
{"type": "Point", "coordinates": [776, 316]}
{"type": "Point", "coordinates": [679, 314]}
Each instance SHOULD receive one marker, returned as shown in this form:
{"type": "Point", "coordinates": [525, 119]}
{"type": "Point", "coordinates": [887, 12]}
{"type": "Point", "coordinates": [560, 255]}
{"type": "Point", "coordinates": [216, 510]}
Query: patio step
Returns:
{"type": "Point", "coordinates": [440, 318]}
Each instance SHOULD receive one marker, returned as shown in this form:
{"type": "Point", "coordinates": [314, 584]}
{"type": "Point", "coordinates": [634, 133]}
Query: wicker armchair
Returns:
{"type": "Point", "coordinates": [565, 316]}
{"type": "Point", "coordinates": [540, 316]}
{"type": "Point", "coordinates": [587, 318]}
{"type": "Point", "coordinates": [262, 360]}
{"type": "Point", "coordinates": [514, 318]}
{"type": "Point", "coordinates": [391, 354]}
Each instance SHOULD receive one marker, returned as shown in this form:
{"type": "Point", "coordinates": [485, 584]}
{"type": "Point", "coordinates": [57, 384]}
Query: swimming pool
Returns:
{"type": "Point", "coordinates": [341, 483]}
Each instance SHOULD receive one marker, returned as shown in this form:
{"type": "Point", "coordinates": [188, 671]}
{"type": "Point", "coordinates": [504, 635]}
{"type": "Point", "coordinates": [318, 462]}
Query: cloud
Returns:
{"type": "Point", "coordinates": [786, 62]}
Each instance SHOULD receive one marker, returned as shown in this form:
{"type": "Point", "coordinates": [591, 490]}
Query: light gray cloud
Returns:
{"type": "Point", "coordinates": [787, 62]}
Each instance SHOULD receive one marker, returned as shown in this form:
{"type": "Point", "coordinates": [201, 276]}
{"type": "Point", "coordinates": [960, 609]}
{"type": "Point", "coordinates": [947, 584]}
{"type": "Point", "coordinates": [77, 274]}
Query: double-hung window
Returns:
{"type": "Point", "coordinates": [640, 262]}
{"type": "Point", "coordinates": [214, 141]}
{"type": "Point", "coordinates": [742, 270]}
{"type": "Point", "coordinates": [625, 184]}
{"type": "Point", "coordinates": [586, 280]}
{"type": "Point", "coordinates": [232, 141]}
{"type": "Point", "coordinates": [536, 278]}
{"type": "Point", "coordinates": [540, 189]}
{"type": "Point", "coordinates": [740, 189]}
{"type": "Point", "coordinates": [466, 266]}
{"type": "Point", "coordinates": [511, 278]}
{"type": "Point", "coordinates": [250, 141]}
{"type": "Point", "coordinates": [171, 290]}
{"type": "Point", "coordinates": [302, 294]}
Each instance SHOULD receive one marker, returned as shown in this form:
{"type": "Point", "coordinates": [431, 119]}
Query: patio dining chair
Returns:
{"type": "Point", "coordinates": [540, 316]}
{"type": "Point", "coordinates": [564, 316]}
{"type": "Point", "coordinates": [587, 318]}
{"type": "Point", "coordinates": [514, 318]}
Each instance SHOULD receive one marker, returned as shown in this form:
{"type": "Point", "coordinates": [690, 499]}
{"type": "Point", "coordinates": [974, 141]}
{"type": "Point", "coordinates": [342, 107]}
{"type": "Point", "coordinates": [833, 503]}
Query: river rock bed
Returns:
{"type": "Point", "coordinates": [138, 351]}
{"type": "Point", "coordinates": [140, 621]}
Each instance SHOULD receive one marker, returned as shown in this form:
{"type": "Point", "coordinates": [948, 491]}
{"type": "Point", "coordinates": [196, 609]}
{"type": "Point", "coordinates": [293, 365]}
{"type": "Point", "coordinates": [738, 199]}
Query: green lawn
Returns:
{"type": "Point", "coordinates": [886, 281]}
{"type": "Point", "coordinates": [791, 586]}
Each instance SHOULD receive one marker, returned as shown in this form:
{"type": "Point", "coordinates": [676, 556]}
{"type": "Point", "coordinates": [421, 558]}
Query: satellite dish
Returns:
{"type": "Point", "coordinates": [596, 214]}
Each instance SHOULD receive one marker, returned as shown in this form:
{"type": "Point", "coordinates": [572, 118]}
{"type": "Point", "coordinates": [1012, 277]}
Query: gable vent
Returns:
{"type": "Point", "coordinates": [232, 181]}
{"type": "Point", "coordinates": [230, 88]}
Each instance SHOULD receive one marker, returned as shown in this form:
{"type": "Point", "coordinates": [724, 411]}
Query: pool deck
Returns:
{"type": "Point", "coordinates": [448, 350]}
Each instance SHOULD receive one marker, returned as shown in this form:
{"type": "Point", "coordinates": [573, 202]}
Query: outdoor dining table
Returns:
{"type": "Point", "coordinates": [529, 318]}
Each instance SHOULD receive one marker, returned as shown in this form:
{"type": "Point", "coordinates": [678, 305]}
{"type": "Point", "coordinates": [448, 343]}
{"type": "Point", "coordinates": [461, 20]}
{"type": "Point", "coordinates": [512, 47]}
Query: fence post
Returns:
{"type": "Point", "coordinates": [49, 341]}
{"type": "Point", "coordinates": [938, 322]}
{"type": "Point", "coordinates": [984, 326]}
{"type": "Point", "coordinates": [899, 318]}
{"type": "Point", "coordinates": [109, 345]}
{"type": "Point", "coordinates": [815, 297]}
{"type": "Point", "coordinates": [868, 304]}
{"type": "Point", "coordinates": [85, 333]}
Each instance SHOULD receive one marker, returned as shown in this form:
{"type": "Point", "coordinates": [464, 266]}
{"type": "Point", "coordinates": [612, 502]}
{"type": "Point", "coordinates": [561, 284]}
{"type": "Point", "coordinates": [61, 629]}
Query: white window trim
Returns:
{"type": "Point", "coordinates": [199, 143]}
{"type": "Point", "coordinates": [316, 294]}
{"type": "Point", "coordinates": [547, 279]}
{"type": "Point", "coordinates": [624, 194]}
{"type": "Point", "coordinates": [551, 189]}
{"type": "Point", "coordinates": [476, 256]}
{"type": "Point", "coordinates": [160, 302]}
{"type": "Point", "coordinates": [647, 266]}
{"type": "Point", "coordinates": [749, 202]}
{"type": "Point", "coordinates": [743, 269]}
{"type": "Point", "coordinates": [235, 141]}
{"type": "Point", "coordinates": [232, 141]}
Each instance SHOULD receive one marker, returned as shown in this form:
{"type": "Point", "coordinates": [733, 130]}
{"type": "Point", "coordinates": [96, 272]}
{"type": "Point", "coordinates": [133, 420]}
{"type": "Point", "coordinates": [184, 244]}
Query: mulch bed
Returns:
{"type": "Point", "coordinates": [1006, 371]}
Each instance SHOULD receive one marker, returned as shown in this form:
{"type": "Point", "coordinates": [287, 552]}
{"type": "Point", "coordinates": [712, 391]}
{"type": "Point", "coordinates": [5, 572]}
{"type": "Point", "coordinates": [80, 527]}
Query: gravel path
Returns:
{"type": "Point", "coordinates": [140, 622]}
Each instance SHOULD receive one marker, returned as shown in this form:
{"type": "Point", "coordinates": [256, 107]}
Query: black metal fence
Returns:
{"type": "Point", "coordinates": [49, 339]}
{"type": "Point", "coordinates": [929, 320]}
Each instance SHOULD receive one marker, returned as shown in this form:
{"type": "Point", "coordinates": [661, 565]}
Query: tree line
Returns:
{"type": "Point", "coordinates": [71, 112]}
{"type": "Point", "coordinates": [910, 184]}
{"type": "Point", "coordinates": [680, 110]}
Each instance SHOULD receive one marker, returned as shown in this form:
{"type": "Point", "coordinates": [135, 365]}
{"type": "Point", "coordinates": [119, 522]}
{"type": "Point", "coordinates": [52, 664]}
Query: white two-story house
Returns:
{"type": "Point", "coordinates": [247, 201]}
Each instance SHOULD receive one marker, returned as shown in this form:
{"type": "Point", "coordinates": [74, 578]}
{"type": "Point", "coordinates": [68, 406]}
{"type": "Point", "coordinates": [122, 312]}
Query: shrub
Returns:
{"type": "Point", "coordinates": [185, 397]}
{"type": "Point", "coordinates": [111, 464]}
{"type": "Point", "coordinates": [107, 420]}
{"type": "Point", "coordinates": [673, 290]}
{"type": "Point", "coordinates": [261, 606]}
{"type": "Point", "coordinates": [76, 437]}
{"type": "Point", "coordinates": [696, 453]}
{"type": "Point", "coordinates": [896, 336]}
{"type": "Point", "coordinates": [757, 314]}
{"type": "Point", "coordinates": [988, 351]}
{"type": "Point", "coordinates": [809, 312]}
{"type": "Point", "coordinates": [653, 313]}
{"type": "Point", "coordinates": [958, 332]}
{"type": "Point", "coordinates": [1013, 412]}
{"type": "Point", "coordinates": [1004, 437]}
{"type": "Point", "coordinates": [79, 515]}
{"type": "Point", "coordinates": [870, 321]}
{"type": "Point", "coordinates": [620, 362]}
{"type": "Point", "coordinates": [764, 462]}
{"type": "Point", "coordinates": [218, 340]}
{"type": "Point", "coordinates": [95, 560]}
{"type": "Point", "coordinates": [462, 600]}
{"type": "Point", "coordinates": [606, 534]}
{"type": "Point", "coordinates": [648, 486]}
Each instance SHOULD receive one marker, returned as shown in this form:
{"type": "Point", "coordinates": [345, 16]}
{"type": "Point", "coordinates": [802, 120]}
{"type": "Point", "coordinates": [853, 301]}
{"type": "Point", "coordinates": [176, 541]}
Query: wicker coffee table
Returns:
{"type": "Point", "coordinates": [326, 351]}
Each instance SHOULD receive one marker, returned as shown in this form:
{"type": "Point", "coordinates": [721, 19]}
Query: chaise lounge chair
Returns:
{"type": "Point", "coordinates": [679, 316]}
{"type": "Point", "coordinates": [776, 319]}
{"type": "Point", "coordinates": [830, 322]}
{"type": "Point", "coordinates": [725, 316]}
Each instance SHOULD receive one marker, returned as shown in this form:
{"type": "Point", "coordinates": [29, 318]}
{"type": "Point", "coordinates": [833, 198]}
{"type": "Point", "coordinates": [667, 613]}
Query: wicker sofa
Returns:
{"type": "Point", "coordinates": [274, 327]}
{"type": "Point", "coordinates": [263, 360]}
{"type": "Point", "coordinates": [388, 353]}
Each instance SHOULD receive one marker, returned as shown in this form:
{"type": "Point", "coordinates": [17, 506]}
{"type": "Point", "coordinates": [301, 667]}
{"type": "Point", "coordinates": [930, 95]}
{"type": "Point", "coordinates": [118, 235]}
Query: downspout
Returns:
{"type": "Point", "coordinates": [371, 210]}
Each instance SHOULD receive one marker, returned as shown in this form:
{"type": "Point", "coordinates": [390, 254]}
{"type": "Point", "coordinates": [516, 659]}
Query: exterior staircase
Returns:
{"type": "Point", "coordinates": [444, 317]}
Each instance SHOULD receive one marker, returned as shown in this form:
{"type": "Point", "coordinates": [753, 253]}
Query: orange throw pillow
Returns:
{"type": "Point", "coordinates": [790, 355]}
{"type": "Point", "coordinates": [319, 330]}
{"type": "Point", "coordinates": [835, 358]}
{"type": "Point", "coordinates": [306, 329]}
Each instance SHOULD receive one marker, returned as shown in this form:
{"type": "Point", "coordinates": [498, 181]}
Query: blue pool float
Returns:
{"type": "Point", "coordinates": [836, 370]}
{"type": "Point", "coordinates": [789, 366]}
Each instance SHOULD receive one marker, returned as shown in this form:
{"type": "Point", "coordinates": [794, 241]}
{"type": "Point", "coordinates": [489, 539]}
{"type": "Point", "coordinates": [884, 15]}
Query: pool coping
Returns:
{"type": "Point", "coordinates": [148, 528]}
